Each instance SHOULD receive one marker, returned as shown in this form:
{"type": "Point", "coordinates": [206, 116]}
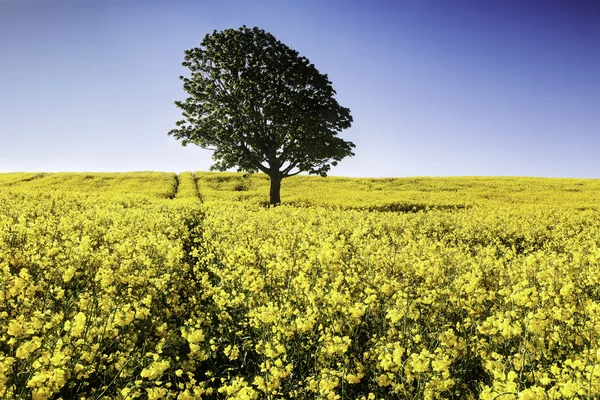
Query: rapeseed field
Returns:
{"type": "Point", "coordinates": [162, 286]}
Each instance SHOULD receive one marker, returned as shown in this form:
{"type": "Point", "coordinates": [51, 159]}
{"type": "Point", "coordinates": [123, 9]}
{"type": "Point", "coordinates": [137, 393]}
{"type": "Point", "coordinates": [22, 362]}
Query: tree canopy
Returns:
{"type": "Point", "coordinates": [260, 106]}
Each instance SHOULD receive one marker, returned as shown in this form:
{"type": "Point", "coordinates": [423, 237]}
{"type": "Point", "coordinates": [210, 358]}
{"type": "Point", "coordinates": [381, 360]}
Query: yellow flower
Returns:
{"type": "Point", "coordinates": [68, 274]}
{"type": "Point", "coordinates": [195, 336]}
{"type": "Point", "coordinates": [79, 324]}
{"type": "Point", "coordinates": [14, 328]}
{"type": "Point", "coordinates": [155, 370]}
{"type": "Point", "coordinates": [28, 347]}
{"type": "Point", "coordinates": [352, 379]}
{"type": "Point", "coordinates": [156, 393]}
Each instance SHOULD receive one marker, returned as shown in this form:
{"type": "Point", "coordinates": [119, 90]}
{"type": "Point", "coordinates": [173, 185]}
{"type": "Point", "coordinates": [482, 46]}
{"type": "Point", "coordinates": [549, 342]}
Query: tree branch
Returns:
{"type": "Point", "coordinates": [289, 168]}
{"type": "Point", "coordinates": [288, 175]}
{"type": "Point", "coordinates": [262, 168]}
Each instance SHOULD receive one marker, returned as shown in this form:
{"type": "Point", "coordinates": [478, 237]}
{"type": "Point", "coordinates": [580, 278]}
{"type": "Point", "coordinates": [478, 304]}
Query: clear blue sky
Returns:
{"type": "Point", "coordinates": [436, 87]}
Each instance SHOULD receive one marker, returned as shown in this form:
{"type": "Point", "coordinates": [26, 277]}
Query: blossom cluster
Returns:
{"type": "Point", "coordinates": [401, 194]}
{"type": "Point", "coordinates": [93, 286]}
{"type": "Point", "coordinates": [463, 304]}
{"type": "Point", "coordinates": [148, 293]}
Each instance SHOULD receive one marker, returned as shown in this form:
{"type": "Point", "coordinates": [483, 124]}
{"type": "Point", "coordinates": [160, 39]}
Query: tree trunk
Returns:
{"type": "Point", "coordinates": [275, 188]}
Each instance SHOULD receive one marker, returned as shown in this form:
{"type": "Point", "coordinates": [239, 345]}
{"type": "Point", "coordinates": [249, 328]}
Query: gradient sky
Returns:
{"type": "Point", "coordinates": [436, 87]}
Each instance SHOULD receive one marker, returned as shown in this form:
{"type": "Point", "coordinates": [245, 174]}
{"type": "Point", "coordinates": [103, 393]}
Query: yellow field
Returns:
{"type": "Point", "coordinates": [152, 285]}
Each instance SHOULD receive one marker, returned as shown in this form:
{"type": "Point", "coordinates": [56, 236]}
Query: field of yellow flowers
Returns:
{"type": "Point", "coordinates": [162, 286]}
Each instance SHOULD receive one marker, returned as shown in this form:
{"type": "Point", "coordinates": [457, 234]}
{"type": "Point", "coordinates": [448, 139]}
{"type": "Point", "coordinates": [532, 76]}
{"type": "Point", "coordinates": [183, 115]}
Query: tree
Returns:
{"type": "Point", "coordinates": [260, 106]}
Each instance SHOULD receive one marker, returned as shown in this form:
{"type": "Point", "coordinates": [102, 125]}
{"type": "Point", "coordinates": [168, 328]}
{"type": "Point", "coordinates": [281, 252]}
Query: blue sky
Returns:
{"type": "Point", "coordinates": [436, 87]}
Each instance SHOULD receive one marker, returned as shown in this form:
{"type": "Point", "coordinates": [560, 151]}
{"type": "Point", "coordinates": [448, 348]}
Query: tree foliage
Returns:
{"type": "Point", "coordinates": [260, 106]}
